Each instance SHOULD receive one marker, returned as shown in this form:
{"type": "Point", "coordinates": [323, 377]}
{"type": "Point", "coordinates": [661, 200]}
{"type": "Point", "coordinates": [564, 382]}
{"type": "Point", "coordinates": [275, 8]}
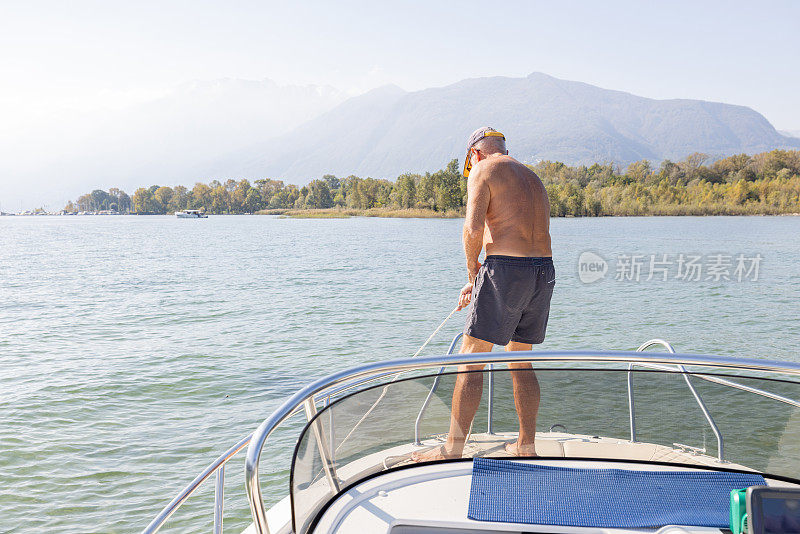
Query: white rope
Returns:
{"type": "Point", "coordinates": [386, 388]}
{"type": "Point", "coordinates": [434, 333]}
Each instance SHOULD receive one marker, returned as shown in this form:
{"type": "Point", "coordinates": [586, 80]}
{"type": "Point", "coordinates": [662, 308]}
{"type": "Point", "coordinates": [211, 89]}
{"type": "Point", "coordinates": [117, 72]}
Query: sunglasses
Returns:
{"type": "Point", "coordinates": [468, 161]}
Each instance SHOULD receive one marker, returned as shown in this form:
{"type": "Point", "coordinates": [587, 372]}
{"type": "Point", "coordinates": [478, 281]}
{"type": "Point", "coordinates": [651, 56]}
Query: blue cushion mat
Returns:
{"type": "Point", "coordinates": [512, 492]}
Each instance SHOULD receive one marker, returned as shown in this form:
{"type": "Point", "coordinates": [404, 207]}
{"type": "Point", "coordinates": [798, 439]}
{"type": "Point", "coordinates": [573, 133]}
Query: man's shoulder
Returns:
{"type": "Point", "coordinates": [498, 166]}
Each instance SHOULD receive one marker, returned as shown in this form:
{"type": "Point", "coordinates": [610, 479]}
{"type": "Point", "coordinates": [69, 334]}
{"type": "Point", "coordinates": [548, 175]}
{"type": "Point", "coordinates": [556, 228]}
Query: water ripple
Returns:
{"type": "Point", "coordinates": [134, 350]}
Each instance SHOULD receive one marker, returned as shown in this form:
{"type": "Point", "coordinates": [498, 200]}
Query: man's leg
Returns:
{"type": "Point", "coordinates": [466, 398]}
{"type": "Point", "coordinates": [526, 401]}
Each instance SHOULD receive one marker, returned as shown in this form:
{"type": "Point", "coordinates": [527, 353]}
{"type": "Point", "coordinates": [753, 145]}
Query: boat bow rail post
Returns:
{"type": "Point", "coordinates": [218, 467]}
{"type": "Point", "coordinates": [435, 385]}
{"type": "Point", "coordinates": [680, 368]}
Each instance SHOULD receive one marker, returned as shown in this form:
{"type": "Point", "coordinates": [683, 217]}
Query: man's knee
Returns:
{"type": "Point", "coordinates": [472, 344]}
{"type": "Point", "coordinates": [516, 345]}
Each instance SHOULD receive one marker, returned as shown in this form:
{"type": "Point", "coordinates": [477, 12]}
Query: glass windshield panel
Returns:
{"type": "Point", "coordinates": [583, 413]}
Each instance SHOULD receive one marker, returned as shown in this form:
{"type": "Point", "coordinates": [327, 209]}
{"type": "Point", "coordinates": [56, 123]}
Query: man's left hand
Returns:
{"type": "Point", "coordinates": [465, 297]}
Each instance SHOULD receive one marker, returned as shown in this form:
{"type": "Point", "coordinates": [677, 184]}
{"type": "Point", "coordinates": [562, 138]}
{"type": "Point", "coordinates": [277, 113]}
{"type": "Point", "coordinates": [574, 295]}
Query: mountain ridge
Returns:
{"type": "Point", "coordinates": [388, 131]}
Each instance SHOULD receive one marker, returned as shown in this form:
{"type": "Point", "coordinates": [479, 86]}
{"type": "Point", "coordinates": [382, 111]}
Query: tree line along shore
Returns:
{"type": "Point", "coordinates": [763, 184]}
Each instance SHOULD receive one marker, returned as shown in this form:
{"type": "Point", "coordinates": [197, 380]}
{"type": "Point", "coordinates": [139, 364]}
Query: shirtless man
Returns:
{"type": "Point", "coordinates": [508, 297]}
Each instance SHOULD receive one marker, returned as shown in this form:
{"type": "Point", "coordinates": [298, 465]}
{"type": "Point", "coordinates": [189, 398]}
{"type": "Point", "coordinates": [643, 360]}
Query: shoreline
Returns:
{"type": "Point", "coordinates": [345, 213]}
{"type": "Point", "coordinates": [457, 214]}
{"type": "Point", "coordinates": [383, 213]}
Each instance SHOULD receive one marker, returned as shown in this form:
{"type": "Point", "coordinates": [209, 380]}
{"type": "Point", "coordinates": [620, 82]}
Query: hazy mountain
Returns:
{"type": "Point", "coordinates": [176, 138]}
{"type": "Point", "coordinates": [790, 133]}
{"type": "Point", "coordinates": [387, 131]}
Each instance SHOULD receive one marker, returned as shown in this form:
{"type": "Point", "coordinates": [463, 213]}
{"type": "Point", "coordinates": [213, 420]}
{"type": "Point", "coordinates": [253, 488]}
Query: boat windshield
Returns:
{"type": "Point", "coordinates": [587, 411]}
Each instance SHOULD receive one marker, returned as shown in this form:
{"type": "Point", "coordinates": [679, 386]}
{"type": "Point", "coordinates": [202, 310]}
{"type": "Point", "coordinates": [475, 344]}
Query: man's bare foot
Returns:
{"type": "Point", "coordinates": [515, 449]}
{"type": "Point", "coordinates": [433, 454]}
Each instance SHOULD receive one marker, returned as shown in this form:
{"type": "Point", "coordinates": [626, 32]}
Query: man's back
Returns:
{"type": "Point", "coordinates": [518, 215]}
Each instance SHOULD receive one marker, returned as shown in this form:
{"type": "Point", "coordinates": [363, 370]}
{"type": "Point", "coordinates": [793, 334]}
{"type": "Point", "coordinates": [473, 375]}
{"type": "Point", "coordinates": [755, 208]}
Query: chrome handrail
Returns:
{"type": "Point", "coordinates": [490, 403]}
{"type": "Point", "coordinates": [695, 394]}
{"type": "Point", "coordinates": [749, 389]}
{"type": "Point", "coordinates": [729, 383]}
{"type": "Point", "coordinates": [219, 499]}
{"type": "Point", "coordinates": [217, 466]}
{"type": "Point", "coordinates": [266, 428]}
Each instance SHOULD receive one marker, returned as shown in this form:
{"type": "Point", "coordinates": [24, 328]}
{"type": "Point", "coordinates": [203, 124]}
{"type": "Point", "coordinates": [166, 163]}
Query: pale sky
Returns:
{"type": "Point", "coordinates": [64, 57]}
{"type": "Point", "coordinates": [81, 54]}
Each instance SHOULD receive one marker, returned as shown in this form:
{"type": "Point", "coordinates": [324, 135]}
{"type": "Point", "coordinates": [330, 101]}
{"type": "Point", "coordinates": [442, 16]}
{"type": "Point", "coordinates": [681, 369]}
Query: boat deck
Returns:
{"type": "Point", "coordinates": [399, 501]}
{"type": "Point", "coordinates": [565, 445]}
{"type": "Point", "coordinates": [372, 485]}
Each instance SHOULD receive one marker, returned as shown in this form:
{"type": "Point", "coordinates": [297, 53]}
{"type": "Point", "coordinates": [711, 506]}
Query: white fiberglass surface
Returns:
{"type": "Point", "coordinates": [433, 499]}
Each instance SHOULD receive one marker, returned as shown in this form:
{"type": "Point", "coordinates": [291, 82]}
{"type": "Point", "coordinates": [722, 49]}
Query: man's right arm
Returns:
{"type": "Point", "coordinates": [477, 206]}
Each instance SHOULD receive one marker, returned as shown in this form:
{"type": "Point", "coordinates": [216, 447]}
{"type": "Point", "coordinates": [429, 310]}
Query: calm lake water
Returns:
{"type": "Point", "coordinates": [134, 350]}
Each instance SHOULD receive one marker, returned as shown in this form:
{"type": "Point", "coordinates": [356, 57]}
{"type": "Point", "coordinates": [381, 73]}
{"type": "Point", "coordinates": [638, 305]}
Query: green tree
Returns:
{"type": "Point", "coordinates": [426, 191]}
{"type": "Point", "coordinates": [124, 202]}
{"type": "Point", "coordinates": [355, 193]}
{"type": "Point", "coordinates": [319, 195]}
{"type": "Point", "coordinates": [142, 200]}
{"type": "Point", "coordinates": [100, 200]}
{"type": "Point", "coordinates": [280, 200]}
{"type": "Point", "coordinates": [180, 199]}
{"type": "Point", "coordinates": [121, 199]}
{"type": "Point", "coordinates": [162, 197]}
{"type": "Point", "coordinates": [267, 189]}
{"type": "Point", "coordinates": [200, 196]}
{"type": "Point", "coordinates": [332, 181]}
{"type": "Point", "coordinates": [252, 202]}
{"type": "Point", "coordinates": [238, 196]}
{"type": "Point", "coordinates": [447, 188]}
{"type": "Point", "coordinates": [404, 193]}
{"type": "Point", "coordinates": [220, 201]}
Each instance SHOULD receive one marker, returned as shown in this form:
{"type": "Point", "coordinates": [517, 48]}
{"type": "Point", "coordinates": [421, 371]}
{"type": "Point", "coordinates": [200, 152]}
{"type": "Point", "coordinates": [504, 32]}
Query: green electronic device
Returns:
{"type": "Point", "coordinates": [739, 511]}
{"type": "Point", "coordinates": [765, 510]}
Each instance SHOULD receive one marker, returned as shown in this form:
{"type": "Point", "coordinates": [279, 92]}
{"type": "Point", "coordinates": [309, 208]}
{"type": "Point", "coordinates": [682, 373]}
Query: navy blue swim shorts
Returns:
{"type": "Point", "coordinates": [511, 300]}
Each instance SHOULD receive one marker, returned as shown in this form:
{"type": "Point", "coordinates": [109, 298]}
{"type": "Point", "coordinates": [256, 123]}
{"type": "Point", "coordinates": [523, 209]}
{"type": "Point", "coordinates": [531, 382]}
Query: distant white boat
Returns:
{"type": "Point", "coordinates": [191, 214]}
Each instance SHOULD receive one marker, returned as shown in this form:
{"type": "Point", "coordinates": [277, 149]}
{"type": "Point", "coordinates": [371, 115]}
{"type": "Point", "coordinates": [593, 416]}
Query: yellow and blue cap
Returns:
{"type": "Point", "coordinates": [477, 135]}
